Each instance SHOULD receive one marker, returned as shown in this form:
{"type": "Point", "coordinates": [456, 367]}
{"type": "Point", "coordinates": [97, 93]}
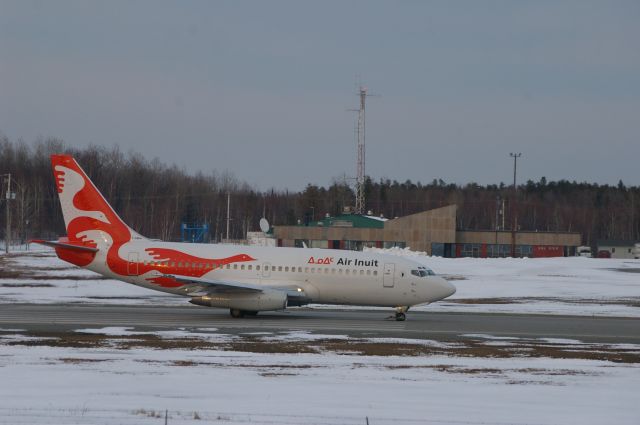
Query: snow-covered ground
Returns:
{"type": "Point", "coordinates": [320, 379]}
{"type": "Point", "coordinates": [575, 286]}
{"type": "Point", "coordinates": [43, 382]}
{"type": "Point", "coordinates": [571, 285]}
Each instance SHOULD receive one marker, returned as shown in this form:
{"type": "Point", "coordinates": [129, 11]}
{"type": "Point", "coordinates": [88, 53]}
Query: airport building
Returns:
{"type": "Point", "coordinates": [618, 249]}
{"type": "Point", "coordinates": [432, 231]}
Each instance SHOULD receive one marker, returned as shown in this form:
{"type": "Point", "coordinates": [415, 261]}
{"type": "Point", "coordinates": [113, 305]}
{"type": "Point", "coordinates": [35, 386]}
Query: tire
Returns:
{"type": "Point", "coordinates": [401, 317]}
{"type": "Point", "coordinates": [236, 313]}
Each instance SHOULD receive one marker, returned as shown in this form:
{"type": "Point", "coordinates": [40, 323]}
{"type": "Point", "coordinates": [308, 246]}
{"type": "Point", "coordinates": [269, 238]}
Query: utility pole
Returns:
{"type": "Point", "coordinates": [8, 197]}
{"type": "Point", "coordinates": [514, 210]}
{"type": "Point", "coordinates": [228, 213]}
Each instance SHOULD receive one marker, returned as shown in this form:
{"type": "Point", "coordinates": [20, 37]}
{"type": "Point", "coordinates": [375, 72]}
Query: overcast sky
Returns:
{"type": "Point", "coordinates": [264, 88]}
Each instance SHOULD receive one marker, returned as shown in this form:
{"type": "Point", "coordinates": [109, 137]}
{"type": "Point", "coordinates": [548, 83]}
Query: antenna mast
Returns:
{"type": "Point", "coordinates": [360, 201]}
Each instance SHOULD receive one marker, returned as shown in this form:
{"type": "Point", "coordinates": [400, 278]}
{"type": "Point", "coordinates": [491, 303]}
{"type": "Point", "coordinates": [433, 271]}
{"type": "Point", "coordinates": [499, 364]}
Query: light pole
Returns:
{"type": "Point", "coordinates": [8, 196]}
{"type": "Point", "coordinates": [514, 210]}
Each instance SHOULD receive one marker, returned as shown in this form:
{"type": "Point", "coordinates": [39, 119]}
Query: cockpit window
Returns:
{"type": "Point", "coordinates": [422, 272]}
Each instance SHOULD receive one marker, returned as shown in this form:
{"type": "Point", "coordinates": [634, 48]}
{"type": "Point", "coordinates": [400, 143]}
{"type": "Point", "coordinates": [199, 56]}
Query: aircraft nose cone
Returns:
{"type": "Point", "coordinates": [441, 289]}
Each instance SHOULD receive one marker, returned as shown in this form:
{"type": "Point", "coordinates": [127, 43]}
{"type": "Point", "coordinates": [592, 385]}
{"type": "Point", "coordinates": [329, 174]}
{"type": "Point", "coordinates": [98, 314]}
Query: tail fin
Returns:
{"type": "Point", "coordinates": [88, 217]}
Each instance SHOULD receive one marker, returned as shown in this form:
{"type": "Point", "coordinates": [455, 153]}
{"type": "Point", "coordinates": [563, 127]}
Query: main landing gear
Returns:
{"type": "Point", "coordinates": [400, 315]}
{"type": "Point", "coordinates": [237, 313]}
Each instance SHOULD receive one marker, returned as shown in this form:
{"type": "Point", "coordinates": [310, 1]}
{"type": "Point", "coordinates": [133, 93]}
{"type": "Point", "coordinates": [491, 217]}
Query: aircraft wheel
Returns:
{"type": "Point", "coordinates": [401, 317]}
{"type": "Point", "coordinates": [250, 313]}
{"type": "Point", "coordinates": [236, 313]}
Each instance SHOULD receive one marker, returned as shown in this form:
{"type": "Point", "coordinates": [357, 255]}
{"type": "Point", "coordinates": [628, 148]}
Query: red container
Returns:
{"type": "Point", "coordinates": [548, 251]}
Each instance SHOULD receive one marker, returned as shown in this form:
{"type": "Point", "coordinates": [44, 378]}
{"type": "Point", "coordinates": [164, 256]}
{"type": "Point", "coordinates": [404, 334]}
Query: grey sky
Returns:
{"type": "Point", "coordinates": [263, 88]}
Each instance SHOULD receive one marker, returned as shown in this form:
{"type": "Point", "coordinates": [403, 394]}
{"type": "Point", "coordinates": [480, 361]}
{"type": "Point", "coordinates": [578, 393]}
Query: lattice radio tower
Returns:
{"type": "Point", "coordinates": [360, 134]}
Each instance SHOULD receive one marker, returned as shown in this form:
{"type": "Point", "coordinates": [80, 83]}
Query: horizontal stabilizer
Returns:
{"type": "Point", "coordinates": [65, 245]}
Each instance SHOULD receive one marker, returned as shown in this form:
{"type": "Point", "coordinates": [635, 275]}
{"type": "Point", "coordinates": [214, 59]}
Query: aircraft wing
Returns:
{"type": "Point", "coordinates": [196, 286]}
{"type": "Point", "coordinates": [199, 286]}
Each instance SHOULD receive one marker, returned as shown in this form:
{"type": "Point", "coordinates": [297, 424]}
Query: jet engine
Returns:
{"type": "Point", "coordinates": [268, 299]}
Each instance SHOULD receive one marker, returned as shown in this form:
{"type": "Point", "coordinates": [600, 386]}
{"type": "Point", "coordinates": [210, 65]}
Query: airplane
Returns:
{"type": "Point", "coordinates": [243, 279]}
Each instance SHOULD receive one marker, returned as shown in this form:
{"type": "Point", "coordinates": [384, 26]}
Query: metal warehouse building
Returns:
{"type": "Point", "coordinates": [432, 231]}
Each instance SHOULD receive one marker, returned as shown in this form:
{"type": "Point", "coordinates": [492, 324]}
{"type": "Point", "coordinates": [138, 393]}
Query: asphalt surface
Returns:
{"type": "Point", "coordinates": [357, 323]}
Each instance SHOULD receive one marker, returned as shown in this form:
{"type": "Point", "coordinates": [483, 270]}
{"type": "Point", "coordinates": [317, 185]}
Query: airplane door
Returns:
{"type": "Point", "coordinates": [389, 275]}
{"type": "Point", "coordinates": [266, 270]}
{"type": "Point", "coordinates": [132, 264]}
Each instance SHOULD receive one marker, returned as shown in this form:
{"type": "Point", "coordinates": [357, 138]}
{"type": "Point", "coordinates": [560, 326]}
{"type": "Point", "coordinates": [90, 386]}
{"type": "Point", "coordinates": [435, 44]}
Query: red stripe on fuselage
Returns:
{"type": "Point", "coordinates": [193, 266]}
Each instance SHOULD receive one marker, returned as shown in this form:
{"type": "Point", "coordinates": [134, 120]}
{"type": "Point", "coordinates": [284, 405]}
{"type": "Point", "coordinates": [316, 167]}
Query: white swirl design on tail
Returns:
{"type": "Point", "coordinates": [71, 183]}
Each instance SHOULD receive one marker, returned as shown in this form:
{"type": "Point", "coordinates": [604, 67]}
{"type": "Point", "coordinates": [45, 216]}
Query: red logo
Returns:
{"type": "Point", "coordinates": [325, 260]}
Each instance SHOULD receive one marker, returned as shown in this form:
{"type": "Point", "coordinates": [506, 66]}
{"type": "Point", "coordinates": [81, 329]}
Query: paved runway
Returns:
{"type": "Point", "coordinates": [422, 325]}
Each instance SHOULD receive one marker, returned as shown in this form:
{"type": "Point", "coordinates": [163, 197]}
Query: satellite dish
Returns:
{"type": "Point", "coordinates": [264, 225]}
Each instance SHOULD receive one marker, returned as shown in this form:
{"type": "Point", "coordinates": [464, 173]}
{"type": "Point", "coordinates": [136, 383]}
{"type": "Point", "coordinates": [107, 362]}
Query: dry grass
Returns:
{"type": "Point", "coordinates": [465, 348]}
{"type": "Point", "coordinates": [73, 360]}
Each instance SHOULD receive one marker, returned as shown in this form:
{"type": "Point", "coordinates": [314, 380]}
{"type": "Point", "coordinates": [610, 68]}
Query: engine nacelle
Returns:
{"type": "Point", "coordinates": [250, 301]}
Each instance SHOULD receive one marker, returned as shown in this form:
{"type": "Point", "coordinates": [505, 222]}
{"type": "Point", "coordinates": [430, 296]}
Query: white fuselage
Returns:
{"type": "Point", "coordinates": [326, 276]}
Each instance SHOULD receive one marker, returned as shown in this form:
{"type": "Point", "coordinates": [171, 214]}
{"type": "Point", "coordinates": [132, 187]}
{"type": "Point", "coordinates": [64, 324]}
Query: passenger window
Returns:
{"type": "Point", "coordinates": [250, 267]}
{"type": "Point", "coordinates": [173, 264]}
{"type": "Point", "coordinates": [257, 267]}
{"type": "Point", "coordinates": [339, 271]}
{"type": "Point", "coordinates": [273, 268]}
{"type": "Point", "coordinates": [346, 271]}
{"type": "Point", "coordinates": [306, 269]}
{"type": "Point", "coordinates": [279, 268]}
{"type": "Point", "coordinates": [361, 272]}
{"type": "Point", "coordinates": [286, 269]}
{"type": "Point", "coordinates": [313, 269]}
{"type": "Point", "coordinates": [242, 267]}
{"type": "Point", "coordinates": [375, 272]}
{"type": "Point", "coordinates": [235, 267]}
{"type": "Point", "coordinates": [326, 271]}
{"type": "Point", "coordinates": [368, 272]}
{"type": "Point", "coordinates": [299, 269]}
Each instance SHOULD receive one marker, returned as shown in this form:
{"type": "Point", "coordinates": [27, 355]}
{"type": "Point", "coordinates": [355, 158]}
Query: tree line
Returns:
{"type": "Point", "coordinates": [155, 198]}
